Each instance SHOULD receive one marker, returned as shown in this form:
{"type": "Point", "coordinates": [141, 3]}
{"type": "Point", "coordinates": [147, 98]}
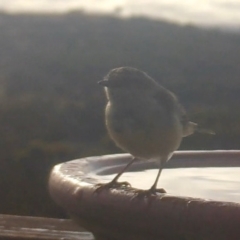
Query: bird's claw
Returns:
{"type": "Point", "coordinates": [149, 192]}
{"type": "Point", "coordinates": [106, 186]}
{"type": "Point", "coordinates": [160, 190]}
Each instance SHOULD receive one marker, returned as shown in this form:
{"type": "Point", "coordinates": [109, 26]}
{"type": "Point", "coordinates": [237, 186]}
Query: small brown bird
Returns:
{"type": "Point", "coordinates": [143, 118]}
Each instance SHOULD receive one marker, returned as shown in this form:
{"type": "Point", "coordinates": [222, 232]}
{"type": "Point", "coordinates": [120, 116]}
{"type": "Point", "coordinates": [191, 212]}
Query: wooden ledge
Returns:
{"type": "Point", "coordinates": [119, 214]}
{"type": "Point", "coordinates": [38, 228]}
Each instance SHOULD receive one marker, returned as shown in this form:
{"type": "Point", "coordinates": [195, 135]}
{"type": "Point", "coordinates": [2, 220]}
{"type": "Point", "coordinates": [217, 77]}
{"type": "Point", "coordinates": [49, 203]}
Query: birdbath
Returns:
{"type": "Point", "coordinates": [119, 213]}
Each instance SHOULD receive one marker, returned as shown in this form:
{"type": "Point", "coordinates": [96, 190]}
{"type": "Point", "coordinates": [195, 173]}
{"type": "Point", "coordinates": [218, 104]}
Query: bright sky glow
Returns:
{"type": "Point", "coordinates": [203, 12]}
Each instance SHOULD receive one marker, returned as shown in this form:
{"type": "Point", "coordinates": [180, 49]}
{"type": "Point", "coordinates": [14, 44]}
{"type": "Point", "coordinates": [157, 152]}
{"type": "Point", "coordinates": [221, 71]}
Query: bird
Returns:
{"type": "Point", "coordinates": [144, 119]}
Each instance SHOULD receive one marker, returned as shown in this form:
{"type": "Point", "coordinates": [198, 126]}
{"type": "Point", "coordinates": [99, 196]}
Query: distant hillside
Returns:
{"type": "Point", "coordinates": [51, 108]}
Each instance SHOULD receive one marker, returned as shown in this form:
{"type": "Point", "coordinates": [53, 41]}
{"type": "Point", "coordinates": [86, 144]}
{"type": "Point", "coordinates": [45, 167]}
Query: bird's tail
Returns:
{"type": "Point", "coordinates": [192, 127]}
{"type": "Point", "coordinates": [204, 130]}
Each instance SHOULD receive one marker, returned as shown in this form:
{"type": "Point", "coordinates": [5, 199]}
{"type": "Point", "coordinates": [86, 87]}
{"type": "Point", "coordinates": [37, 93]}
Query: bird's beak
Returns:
{"type": "Point", "coordinates": [104, 83]}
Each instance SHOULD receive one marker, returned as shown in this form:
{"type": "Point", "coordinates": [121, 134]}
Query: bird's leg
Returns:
{"type": "Point", "coordinates": [123, 170]}
{"type": "Point", "coordinates": [114, 182]}
{"type": "Point", "coordinates": [153, 189]}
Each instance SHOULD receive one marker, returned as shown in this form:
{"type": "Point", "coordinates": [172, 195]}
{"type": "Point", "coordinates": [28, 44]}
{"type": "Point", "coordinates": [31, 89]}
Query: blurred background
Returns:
{"type": "Point", "coordinates": [52, 53]}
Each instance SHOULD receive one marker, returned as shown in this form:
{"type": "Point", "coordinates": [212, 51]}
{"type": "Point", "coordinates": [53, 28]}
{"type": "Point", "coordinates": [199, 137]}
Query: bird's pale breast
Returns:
{"type": "Point", "coordinates": [142, 133]}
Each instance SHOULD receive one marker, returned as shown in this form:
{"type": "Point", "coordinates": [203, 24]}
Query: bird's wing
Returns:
{"type": "Point", "coordinates": [169, 101]}
{"type": "Point", "coordinates": [164, 98]}
{"type": "Point", "coordinates": [183, 115]}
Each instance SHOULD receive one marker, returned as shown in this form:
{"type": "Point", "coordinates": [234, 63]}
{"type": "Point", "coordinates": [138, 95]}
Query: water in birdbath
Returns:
{"type": "Point", "coordinates": [221, 184]}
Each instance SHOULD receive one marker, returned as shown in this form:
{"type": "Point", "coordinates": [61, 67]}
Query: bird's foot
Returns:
{"type": "Point", "coordinates": [149, 192]}
{"type": "Point", "coordinates": [112, 184]}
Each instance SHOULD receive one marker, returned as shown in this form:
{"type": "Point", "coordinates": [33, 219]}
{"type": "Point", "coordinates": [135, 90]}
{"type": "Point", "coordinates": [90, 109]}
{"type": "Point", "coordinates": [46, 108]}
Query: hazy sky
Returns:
{"type": "Point", "coordinates": [204, 12]}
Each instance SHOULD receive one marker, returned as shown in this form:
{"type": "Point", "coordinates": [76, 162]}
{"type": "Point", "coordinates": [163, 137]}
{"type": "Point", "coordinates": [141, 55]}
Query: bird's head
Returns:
{"type": "Point", "coordinates": [124, 82]}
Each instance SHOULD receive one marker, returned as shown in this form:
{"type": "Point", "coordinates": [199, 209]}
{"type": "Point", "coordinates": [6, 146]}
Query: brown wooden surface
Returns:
{"type": "Point", "coordinates": [23, 227]}
{"type": "Point", "coordinates": [118, 214]}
